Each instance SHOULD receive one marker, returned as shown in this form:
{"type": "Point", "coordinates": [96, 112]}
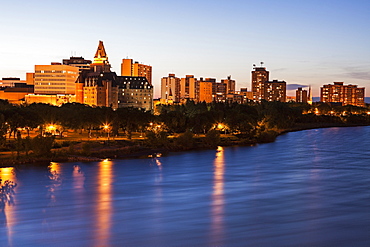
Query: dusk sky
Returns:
{"type": "Point", "coordinates": [302, 42]}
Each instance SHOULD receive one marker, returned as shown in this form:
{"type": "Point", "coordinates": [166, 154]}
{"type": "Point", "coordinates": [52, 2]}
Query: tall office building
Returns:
{"type": "Point", "coordinates": [130, 68]}
{"type": "Point", "coordinates": [170, 89]}
{"type": "Point", "coordinates": [301, 96]}
{"type": "Point", "coordinates": [345, 94]}
{"type": "Point", "coordinates": [188, 88]}
{"type": "Point", "coordinates": [259, 76]}
{"type": "Point", "coordinates": [274, 91]}
{"type": "Point", "coordinates": [55, 79]}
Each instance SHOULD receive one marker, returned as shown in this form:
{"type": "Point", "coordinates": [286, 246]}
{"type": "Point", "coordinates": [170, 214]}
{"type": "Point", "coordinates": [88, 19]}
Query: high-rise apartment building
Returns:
{"type": "Point", "coordinates": [274, 91]}
{"type": "Point", "coordinates": [55, 79]}
{"type": "Point", "coordinates": [189, 88]}
{"type": "Point", "coordinates": [170, 89]}
{"type": "Point", "coordinates": [230, 85]}
{"type": "Point", "coordinates": [301, 96]}
{"type": "Point", "coordinates": [259, 76]}
{"type": "Point", "coordinates": [130, 68]}
{"type": "Point", "coordinates": [205, 90]}
{"type": "Point", "coordinates": [345, 94]}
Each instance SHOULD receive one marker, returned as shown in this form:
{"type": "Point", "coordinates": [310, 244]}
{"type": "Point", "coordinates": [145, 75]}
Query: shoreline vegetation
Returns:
{"type": "Point", "coordinates": [40, 134]}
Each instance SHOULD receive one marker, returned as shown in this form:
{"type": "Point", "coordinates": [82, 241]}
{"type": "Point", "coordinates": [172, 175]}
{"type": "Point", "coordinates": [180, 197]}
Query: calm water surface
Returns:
{"type": "Point", "coordinates": [309, 188]}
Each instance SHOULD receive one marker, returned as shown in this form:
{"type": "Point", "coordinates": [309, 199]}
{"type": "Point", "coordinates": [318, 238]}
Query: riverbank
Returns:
{"type": "Point", "coordinates": [89, 151]}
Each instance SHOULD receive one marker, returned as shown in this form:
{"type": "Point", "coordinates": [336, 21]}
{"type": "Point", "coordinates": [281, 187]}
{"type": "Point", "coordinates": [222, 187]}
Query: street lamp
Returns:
{"type": "Point", "coordinates": [106, 128]}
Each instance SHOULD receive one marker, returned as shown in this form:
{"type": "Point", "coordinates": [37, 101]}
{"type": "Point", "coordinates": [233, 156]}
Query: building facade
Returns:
{"type": "Point", "coordinates": [259, 76]}
{"type": "Point", "coordinates": [230, 85]}
{"type": "Point", "coordinates": [274, 91]}
{"type": "Point", "coordinates": [189, 88]}
{"type": "Point", "coordinates": [55, 79]}
{"type": "Point", "coordinates": [170, 89]}
{"type": "Point", "coordinates": [205, 91]}
{"type": "Point", "coordinates": [130, 68]}
{"type": "Point", "coordinates": [301, 96]}
{"type": "Point", "coordinates": [135, 91]}
{"type": "Point", "coordinates": [344, 94]}
{"type": "Point", "coordinates": [79, 62]}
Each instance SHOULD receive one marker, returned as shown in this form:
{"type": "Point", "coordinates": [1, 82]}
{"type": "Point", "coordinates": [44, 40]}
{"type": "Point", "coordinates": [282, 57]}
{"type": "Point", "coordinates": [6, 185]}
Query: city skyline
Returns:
{"type": "Point", "coordinates": [313, 43]}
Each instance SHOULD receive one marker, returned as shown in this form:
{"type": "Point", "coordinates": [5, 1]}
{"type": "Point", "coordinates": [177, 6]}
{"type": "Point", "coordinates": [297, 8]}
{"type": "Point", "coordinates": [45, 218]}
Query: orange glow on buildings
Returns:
{"type": "Point", "coordinates": [130, 68]}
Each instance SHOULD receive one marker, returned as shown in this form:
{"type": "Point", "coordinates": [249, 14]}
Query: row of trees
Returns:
{"type": "Point", "coordinates": [248, 120]}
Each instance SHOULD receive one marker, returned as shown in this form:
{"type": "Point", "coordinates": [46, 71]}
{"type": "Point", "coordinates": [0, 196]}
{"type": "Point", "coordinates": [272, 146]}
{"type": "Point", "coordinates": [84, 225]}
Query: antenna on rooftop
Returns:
{"type": "Point", "coordinates": [262, 64]}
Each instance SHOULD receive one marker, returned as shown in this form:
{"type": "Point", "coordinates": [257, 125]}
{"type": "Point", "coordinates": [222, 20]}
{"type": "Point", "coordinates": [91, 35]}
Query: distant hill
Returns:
{"type": "Point", "coordinates": [317, 99]}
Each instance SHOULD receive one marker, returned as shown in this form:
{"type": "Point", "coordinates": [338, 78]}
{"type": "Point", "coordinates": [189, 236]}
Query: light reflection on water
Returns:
{"type": "Point", "coordinates": [7, 217]}
{"type": "Point", "coordinates": [308, 188]}
{"type": "Point", "coordinates": [218, 197]}
{"type": "Point", "coordinates": [104, 203]}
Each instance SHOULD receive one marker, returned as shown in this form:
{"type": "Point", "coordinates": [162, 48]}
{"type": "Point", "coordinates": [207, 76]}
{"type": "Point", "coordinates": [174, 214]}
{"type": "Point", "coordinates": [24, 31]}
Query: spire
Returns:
{"type": "Point", "coordinates": [100, 53]}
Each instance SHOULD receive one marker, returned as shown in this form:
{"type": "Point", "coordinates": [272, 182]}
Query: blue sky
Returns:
{"type": "Point", "coordinates": [301, 42]}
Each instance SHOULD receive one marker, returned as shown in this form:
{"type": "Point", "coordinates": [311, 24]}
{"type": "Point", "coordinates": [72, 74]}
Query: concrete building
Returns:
{"type": "Point", "coordinates": [230, 85]}
{"type": "Point", "coordinates": [130, 68]}
{"type": "Point", "coordinates": [52, 99]}
{"type": "Point", "coordinates": [188, 88]}
{"type": "Point", "coordinates": [205, 90]}
{"type": "Point", "coordinates": [274, 91]}
{"type": "Point", "coordinates": [16, 94]}
{"type": "Point", "coordinates": [170, 89]}
{"type": "Point", "coordinates": [301, 95]}
{"type": "Point", "coordinates": [259, 76]}
{"type": "Point", "coordinates": [136, 92]}
{"type": "Point", "coordinates": [12, 81]}
{"type": "Point", "coordinates": [55, 79]}
{"type": "Point", "coordinates": [79, 62]}
{"type": "Point", "coordinates": [344, 94]}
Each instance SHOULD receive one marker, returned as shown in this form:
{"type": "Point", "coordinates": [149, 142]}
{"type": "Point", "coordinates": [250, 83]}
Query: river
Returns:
{"type": "Point", "coordinates": [308, 188]}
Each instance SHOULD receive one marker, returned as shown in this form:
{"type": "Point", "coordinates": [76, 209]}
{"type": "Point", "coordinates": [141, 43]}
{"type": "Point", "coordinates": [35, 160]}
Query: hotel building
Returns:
{"type": "Point", "coordinates": [136, 92]}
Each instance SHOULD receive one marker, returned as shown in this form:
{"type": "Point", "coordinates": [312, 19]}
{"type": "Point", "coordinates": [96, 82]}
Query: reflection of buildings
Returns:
{"type": "Point", "coordinates": [218, 195]}
{"type": "Point", "coordinates": [344, 94]}
{"type": "Point", "coordinates": [7, 173]}
{"type": "Point", "coordinates": [104, 203]}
